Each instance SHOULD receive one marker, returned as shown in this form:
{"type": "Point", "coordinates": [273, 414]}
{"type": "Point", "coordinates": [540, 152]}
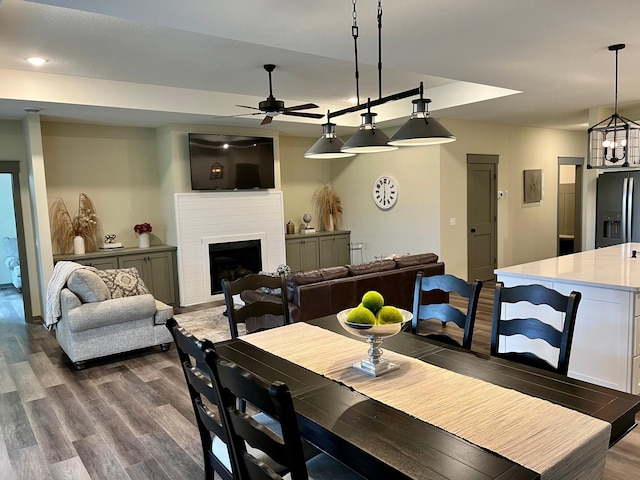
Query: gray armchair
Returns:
{"type": "Point", "coordinates": [12, 261]}
{"type": "Point", "coordinates": [97, 321]}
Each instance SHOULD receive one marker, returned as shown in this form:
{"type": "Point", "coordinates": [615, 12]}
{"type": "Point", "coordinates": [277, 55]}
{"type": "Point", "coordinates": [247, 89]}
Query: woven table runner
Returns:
{"type": "Point", "coordinates": [554, 441]}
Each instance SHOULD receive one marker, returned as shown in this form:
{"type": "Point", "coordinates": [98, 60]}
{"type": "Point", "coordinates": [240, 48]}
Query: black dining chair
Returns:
{"type": "Point", "coordinates": [424, 311]}
{"type": "Point", "coordinates": [206, 405]}
{"type": "Point", "coordinates": [260, 314]}
{"type": "Point", "coordinates": [282, 445]}
{"type": "Point", "coordinates": [204, 399]}
{"type": "Point", "coordinates": [534, 328]}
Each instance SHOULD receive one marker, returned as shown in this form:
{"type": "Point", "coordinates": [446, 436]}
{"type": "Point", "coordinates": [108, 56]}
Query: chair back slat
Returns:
{"type": "Point", "coordinates": [535, 328]}
{"type": "Point", "coordinates": [273, 400]}
{"type": "Point", "coordinates": [198, 377]}
{"type": "Point", "coordinates": [254, 281]}
{"type": "Point", "coordinates": [445, 312]}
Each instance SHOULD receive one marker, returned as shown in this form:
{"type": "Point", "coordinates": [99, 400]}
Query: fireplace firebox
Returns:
{"type": "Point", "coordinates": [233, 260]}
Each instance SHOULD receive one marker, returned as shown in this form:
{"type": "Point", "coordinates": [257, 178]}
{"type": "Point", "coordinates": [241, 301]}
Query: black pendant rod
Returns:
{"type": "Point", "coordinates": [374, 103]}
{"type": "Point", "coordinates": [616, 48]}
{"type": "Point", "coordinates": [354, 34]}
{"type": "Point", "coordinates": [379, 48]}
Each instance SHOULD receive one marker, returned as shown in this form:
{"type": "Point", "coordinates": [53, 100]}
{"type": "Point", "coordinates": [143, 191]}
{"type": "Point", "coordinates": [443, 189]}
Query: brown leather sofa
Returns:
{"type": "Point", "coordinates": [326, 291]}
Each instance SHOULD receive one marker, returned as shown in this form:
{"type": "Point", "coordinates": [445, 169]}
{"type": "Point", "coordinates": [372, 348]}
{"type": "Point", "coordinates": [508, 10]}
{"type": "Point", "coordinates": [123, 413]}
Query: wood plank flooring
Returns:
{"type": "Point", "coordinates": [130, 417]}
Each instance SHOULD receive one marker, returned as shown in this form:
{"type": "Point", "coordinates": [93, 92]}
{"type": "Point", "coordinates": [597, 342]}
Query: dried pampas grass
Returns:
{"type": "Point", "coordinates": [328, 206]}
{"type": "Point", "coordinates": [84, 223]}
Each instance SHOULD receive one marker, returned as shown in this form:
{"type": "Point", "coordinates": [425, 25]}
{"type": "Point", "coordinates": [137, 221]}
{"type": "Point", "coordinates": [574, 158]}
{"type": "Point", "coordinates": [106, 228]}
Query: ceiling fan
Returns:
{"type": "Point", "coordinates": [272, 107]}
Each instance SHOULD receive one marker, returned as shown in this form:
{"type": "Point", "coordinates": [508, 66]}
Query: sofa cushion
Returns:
{"type": "Point", "coordinates": [371, 267]}
{"type": "Point", "coordinates": [87, 285]}
{"type": "Point", "coordinates": [419, 259]}
{"type": "Point", "coordinates": [123, 282]}
{"type": "Point", "coordinates": [331, 273]}
{"type": "Point", "coordinates": [305, 278]}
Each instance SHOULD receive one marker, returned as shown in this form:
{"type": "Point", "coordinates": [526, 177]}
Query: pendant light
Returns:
{"type": "Point", "coordinates": [420, 129]}
{"type": "Point", "coordinates": [615, 141]}
{"type": "Point", "coordinates": [328, 145]}
{"type": "Point", "coordinates": [368, 139]}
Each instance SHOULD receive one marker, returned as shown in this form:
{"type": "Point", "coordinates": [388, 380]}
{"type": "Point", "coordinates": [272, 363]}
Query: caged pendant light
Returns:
{"type": "Point", "coordinates": [420, 129]}
{"type": "Point", "coordinates": [615, 141]}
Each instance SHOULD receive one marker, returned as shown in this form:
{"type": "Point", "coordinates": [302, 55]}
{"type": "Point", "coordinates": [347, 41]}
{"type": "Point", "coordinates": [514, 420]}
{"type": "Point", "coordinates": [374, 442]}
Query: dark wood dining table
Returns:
{"type": "Point", "coordinates": [381, 442]}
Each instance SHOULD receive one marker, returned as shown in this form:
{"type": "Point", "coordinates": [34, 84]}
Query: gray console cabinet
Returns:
{"type": "Point", "coordinates": [317, 250]}
{"type": "Point", "coordinates": [157, 266]}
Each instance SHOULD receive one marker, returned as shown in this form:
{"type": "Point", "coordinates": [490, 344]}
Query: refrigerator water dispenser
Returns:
{"type": "Point", "coordinates": [611, 225]}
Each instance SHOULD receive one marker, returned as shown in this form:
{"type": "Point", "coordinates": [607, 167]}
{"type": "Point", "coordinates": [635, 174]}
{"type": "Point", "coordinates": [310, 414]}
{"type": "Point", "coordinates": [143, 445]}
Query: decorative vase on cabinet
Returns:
{"type": "Point", "coordinates": [143, 240]}
{"type": "Point", "coordinates": [78, 245]}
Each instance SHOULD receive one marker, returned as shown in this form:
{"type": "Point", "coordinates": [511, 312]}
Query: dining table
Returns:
{"type": "Point", "coordinates": [445, 413]}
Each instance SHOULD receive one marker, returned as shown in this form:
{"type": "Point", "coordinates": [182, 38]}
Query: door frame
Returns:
{"type": "Point", "coordinates": [13, 168]}
{"type": "Point", "coordinates": [577, 216]}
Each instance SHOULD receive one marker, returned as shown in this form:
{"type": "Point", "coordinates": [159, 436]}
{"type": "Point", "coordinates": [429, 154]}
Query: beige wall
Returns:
{"type": "Point", "coordinates": [300, 178]}
{"type": "Point", "coordinates": [525, 232]}
{"type": "Point", "coordinates": [115, 166]}
{"type": "Point", "coordinates": [412, 225]}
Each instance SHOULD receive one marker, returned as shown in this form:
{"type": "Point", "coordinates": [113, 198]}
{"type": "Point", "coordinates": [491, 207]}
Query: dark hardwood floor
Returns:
{"type": "Point", "coordinates": [129, 417]}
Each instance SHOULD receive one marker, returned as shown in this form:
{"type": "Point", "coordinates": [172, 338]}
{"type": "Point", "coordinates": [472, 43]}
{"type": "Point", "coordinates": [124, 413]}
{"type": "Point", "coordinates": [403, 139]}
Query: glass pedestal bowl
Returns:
{"type": "Point", "coordinates": [375, 365]}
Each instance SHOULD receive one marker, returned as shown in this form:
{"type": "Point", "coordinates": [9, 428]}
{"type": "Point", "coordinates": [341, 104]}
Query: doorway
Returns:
{"type": "Point", "coordinates": [481, 216]}
{"type": "Point", "coordinates": [569, 215]}
{"type": "Point", "coordinates": [15, 283]}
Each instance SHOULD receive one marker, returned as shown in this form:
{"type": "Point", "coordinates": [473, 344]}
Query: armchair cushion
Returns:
{"type": "Point", "coordinates": [88, 286]}
{"type": "Point", "coordinates": [123, 282]}
{"type": "Point", "coordinates": [110, 312]}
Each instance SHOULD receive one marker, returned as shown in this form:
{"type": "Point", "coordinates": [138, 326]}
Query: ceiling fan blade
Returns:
{"type": "Point", "coordinates": [245, 106]}
{"type": "Point", "coordinates": [300, 107]}
{"type": "Point", "coordinates": [303, 114]}
{"type": "Point", "coordinates": [238, 115]}
{"type": "Point", "coordinates": [266, 120]}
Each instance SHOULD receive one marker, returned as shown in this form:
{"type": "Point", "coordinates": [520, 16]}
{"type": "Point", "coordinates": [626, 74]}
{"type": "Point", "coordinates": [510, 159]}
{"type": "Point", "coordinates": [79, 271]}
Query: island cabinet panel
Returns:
{"type": "Point", "coordinates": [157, 265]}
{"type": "Point", "coordinates": [603, 350]}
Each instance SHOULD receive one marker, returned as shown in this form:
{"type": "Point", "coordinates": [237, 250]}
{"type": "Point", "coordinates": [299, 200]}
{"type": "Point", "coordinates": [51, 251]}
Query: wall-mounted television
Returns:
{"type": "Point", "coordinates": [231, 162]}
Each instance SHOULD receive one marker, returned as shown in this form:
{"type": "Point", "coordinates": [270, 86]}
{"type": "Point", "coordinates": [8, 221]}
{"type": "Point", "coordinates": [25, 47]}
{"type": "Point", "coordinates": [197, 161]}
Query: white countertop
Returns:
{"type": "Point", "coordinates": [609, 267]}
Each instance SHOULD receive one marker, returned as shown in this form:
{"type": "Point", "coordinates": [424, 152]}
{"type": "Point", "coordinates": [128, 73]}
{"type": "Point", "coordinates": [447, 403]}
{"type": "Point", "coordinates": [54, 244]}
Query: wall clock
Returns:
{"type": "Point", "coordinates": [385, 192]}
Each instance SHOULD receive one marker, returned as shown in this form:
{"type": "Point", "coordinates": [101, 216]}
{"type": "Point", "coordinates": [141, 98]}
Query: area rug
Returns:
{"type": "Point", "coordinates": [209, 323]}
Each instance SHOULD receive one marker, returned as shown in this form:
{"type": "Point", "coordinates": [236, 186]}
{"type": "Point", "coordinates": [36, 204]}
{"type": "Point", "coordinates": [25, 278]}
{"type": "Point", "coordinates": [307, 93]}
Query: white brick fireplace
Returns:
{"type": "Point", "coordinates": [220, 217]}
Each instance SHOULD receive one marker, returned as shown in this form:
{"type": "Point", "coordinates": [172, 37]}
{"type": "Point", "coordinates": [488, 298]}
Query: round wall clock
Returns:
{"type": "Point", "coordinates": [385, 192]}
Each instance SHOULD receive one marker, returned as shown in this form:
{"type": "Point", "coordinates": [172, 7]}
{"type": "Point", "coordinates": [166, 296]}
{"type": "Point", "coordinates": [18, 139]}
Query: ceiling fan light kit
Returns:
{"type": "Point", "coordinates": [420, 129]}
{"type": "Point", "coordinates": [615, 141]}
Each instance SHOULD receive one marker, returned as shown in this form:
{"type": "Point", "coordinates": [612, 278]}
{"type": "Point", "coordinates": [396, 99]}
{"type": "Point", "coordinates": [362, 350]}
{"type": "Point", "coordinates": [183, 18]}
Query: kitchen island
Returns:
{"type": "Point", "coordinates": [606, 342]}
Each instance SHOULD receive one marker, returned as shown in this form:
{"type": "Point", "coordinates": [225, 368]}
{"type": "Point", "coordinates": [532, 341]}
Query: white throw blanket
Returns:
{"type": "Point", "coordinates": [58, 280]}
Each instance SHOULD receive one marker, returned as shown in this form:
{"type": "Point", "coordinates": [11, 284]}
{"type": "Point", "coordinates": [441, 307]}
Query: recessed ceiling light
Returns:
{"type": "Point", "coordinates": [36, 61]}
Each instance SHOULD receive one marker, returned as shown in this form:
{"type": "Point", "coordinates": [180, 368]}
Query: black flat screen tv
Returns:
{"type": "Point", "coordinates": [231, 162]}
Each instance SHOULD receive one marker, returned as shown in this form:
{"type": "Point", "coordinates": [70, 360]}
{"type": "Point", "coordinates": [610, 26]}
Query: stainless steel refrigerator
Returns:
{"type": "Point", "coordinates": [618, 208]}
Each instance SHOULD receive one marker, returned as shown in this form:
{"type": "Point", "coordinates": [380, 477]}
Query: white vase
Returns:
{"type": "Point", "coordinates": [78, 245]}
{"type": "Point", "coordinates": [143, 240]}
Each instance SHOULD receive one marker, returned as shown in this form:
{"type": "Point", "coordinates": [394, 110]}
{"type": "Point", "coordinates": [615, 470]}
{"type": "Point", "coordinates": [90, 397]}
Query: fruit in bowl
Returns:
{"type": "Point", "coordinates": [373, 311]}
{"type": "Point", "coordinates": [374, 320]}
{"type": "Point", "coordinates": [386, 320]}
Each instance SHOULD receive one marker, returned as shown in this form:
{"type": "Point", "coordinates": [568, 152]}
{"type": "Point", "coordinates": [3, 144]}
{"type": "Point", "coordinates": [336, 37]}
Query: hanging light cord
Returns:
{"type": "Point", "coordinates": [379, 48]}
{"type": "Point", "coordinates": [354, 34]}
{"type": "Point", "coordinates": [615, 101]}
